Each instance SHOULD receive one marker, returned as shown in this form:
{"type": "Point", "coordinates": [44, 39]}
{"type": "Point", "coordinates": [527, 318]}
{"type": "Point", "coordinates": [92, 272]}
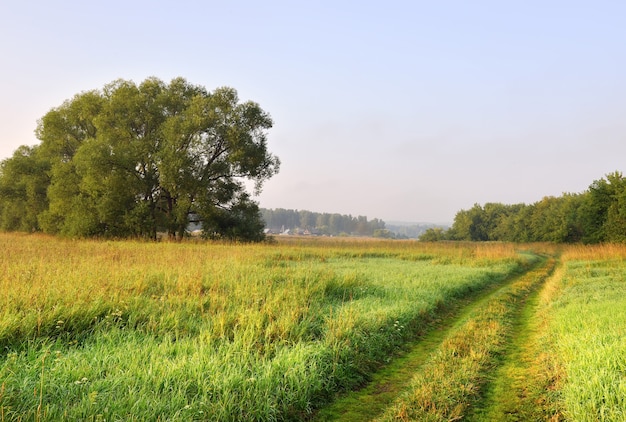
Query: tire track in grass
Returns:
{"type": "Point", "coordinates": [519, 388]}
{"type": "Point", "coordinates": [452, 380]}
{"type": "Point", "coordinates": [510, 391]}
{"type": "Point", "coordinates": [375, 398]}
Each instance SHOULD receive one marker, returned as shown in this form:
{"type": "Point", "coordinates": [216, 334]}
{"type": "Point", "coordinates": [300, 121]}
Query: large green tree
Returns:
{"type": "Point", "coordinates": [135, 160]}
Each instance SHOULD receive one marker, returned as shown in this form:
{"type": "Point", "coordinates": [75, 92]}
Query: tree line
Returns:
{"type": "Point", "coordinates": [594, 216]}
{"type": "Point", "coordinates": [136, 160]}
{"type": "Point", "coordinates": [412, 230]}
{"type": "Point", "coordinates": [279, 220]}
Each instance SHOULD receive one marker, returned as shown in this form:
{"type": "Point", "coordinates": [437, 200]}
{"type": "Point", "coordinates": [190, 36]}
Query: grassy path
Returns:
{"type": "Point", "coordinates": [513, 392]}
{"type": "Point", "coordinates": [397, 379]}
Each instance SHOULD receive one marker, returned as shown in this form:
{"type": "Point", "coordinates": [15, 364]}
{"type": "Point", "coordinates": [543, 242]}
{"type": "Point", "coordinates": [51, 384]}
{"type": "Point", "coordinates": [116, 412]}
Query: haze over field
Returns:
{"type": "Point", "coordinates": [405, 111]}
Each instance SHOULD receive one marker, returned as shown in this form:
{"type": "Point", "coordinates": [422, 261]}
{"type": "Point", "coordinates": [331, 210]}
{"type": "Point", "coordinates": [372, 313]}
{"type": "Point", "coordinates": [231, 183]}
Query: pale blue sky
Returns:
{"type": "Point", "coordinates": [400, 110]}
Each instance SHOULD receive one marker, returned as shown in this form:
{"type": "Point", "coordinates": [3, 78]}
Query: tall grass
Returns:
{"type": "Point", "coordinates": [588, 331]}
{"type": "Point", "coordinates": [180, 331]}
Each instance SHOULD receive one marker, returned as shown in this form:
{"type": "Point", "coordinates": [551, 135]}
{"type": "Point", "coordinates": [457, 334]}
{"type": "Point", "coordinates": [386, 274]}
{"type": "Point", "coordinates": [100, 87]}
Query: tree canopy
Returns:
{"type": "Point", "coordinates": [135, 160]}
{"type": "Point", "coordinates": [596, 215]}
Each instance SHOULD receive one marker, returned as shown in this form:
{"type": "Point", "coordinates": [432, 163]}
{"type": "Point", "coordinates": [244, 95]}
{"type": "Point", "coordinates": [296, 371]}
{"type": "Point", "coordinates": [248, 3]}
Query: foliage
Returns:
{"type": "Point", "coordinates": [383, 234]}
{"type": "Point", "coordinates": [597, 215]}
{"type": "Point", "coordinates": [134, 160]}
{"type": "Point", "coordinates": [604, 210]}
{"type": "Point", "coordinates": [23, 181]}
{"type": "Point", "coordinates": [434, 234]}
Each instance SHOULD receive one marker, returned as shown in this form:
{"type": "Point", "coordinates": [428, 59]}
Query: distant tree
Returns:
{"type": "Point", "coordinates": [376, 224]}
{"type": "Point", "coordinates": [336, 223]}
{"type": "Point", "coordinates": [383, 233]}
{"type": "Point", "coordinates": [280, 218]}
{"type": "Point", "coordinates": [320, 223]}
{"type": "Point", "coordinates": [433, 234]}
{"type": "Point", "coordinates": [511, 226]}
{"type": "Point", "coordinates": [494, 213]}
{"type": "Point", "coordinates": [132, 160]}
{"type": "Point", "coordinates": [412, 231]}
{"type": "Point", "coordinates": [307, 220]}
{"type": "Point", "coordinates": [521, 224]}
{"type": "Point", "coordinates": [547, 221]}
{"type": "Point", "coordinates": [594, 216]}
{"type": "Point", "coordinates": [555, 219]}
{"type": "Point", "coordinates": [361, 225]}
{"type": "Point", "coordinates": [603, 212]}
{"type": "Point", "coordinates": [615, 225]}
{"type": "Point", "coordinates": [570, 210]}
{"type": "Point", "coordinates": [470, 224]}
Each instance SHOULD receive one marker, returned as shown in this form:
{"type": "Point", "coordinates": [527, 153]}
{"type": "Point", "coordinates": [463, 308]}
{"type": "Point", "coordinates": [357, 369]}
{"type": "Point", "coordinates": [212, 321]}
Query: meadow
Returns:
{"type": "Point", "coordinates": [96, 330]}
{"type": "Point", "coordinates": [121, 330]}
{"type": "Point", "coordinates": [586, 331]}
{"type": "Point", "coordinates": [559, 354]}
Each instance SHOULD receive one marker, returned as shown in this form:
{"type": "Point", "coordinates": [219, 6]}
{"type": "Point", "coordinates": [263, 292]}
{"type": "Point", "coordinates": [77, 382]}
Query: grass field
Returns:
{"type": "Point", "coordinates": [123, 330]}
{"type": "Point", "coordinates": [548, 345]}
{"type": "Point", "coordinates": [452, 380]}
{"type": "Point", "coordinates": [97, 330]}
{"type": "Point", "coordinates": [588, 333]}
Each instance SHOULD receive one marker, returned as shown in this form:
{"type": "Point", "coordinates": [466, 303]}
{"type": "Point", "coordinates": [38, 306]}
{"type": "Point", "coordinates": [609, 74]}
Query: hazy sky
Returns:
{"type": "Point", "coordinates": [400, 110]}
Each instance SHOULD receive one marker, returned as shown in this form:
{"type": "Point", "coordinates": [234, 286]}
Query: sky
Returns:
{"type": "Point", "coordinates": [399, 110]}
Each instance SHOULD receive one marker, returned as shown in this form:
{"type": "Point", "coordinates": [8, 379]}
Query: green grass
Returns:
{"type": "Point", "coordinates": [518, 389]}
{"type": "Point", "coordinates": [588, 329]}
{"type": "Point", "coordinates": [556, 355]}
{"type": "Point", "coordinates": [209, 331]}
{"type": "Point", "coordinates": [388, 383]}
{"type": "Point", "coordinates": [141, 331]}
{"type": "Point", "coordinates": [450, 382]}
